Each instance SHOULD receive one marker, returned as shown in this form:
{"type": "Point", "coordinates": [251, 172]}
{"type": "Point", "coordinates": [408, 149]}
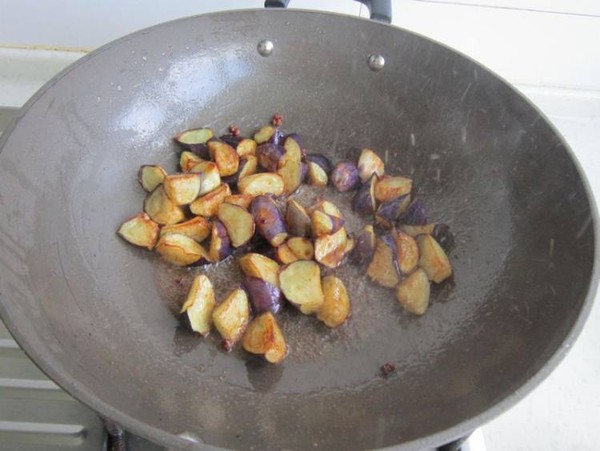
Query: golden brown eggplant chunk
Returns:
{"type": "Point", "coordinates": [300, 283]}
{"type": "Point", "coordinates": [140, 231]}
{"type": "Point", "coordinates": [293, 148]}
{"type": "Point", "coordinates": [187, 160]}
{"type": "Point", "coordinates": [388, 188]}
{"type": "Point", "coordinates": [209, 176]}
{"type": "Point", "coordinates": [246, 147]}
{"type": "Point", "coordinates": [194, 136]}
{"type": "Point", "coordinates": [182, 189]}
{"type": "Point", "coordinates": [294, 249]}
{"type": "Point", "coordinates": [241, 200]}
{"type": "Point", "coordinates": [208, 205]}
{"type": "Point", "coordinates": [433, 259]}
{"type": "Point", "coordinates": [238, 222]}
{"type": "Point", "coordinates": [263, 183]}
{"type": "Point", "coordinates": [231, 317]}
{"type": "Point", "coordinates": [285, 255]}
{"type": "Point", "coordinates": [301, 247]}
{"type": "Point", "coordinates": [268, 133]}
{"type": "Point", "coordinates": [345, 176]}
{"type": "Point", "coordinates": [364, 201]}
{"type": "Point", "coordinates": [297, 219]}
{"type": "Point", "coordinates": [408, 252]}
{"type": "Point", "coordinates": [264, 296]}
{"type": "Point", "coordinates": [225, 157]}
{"type": "Point", "coordinates": [269, 222]}
{"type": "Point", "coordinates": [413, 292]}
{"type": "Point", "coordinates": [370, 164]}
{"type": "Point", "coordinates": [181, 250]}
{"type": "Point", "coordinates": [316, 175]}
{"type": "Point", "coordinates": [383, 267]}
{"type": "Point", "coordinates": [321, 161]}
{"type": "Point", "coordinates": [335, 309]}
{"type": "Point", "coordinates": [161, 208]}
{"type": "Point", "coordinates": [150, 176]}
{"type": "Point", "coordinates": [291, 174]}
{"type": "Point", "coordinates": [260, 267]}
{"type": "Point", "coordinates": [264, 337]}
{"type": "Point", "coordinates": [323, 224]}
{"type": "Point", "coordinates": [199, 305]}
{"type": "Point", "coordinates": [197, 228]}
{"type": "Point", "coordinates": [330, 250]}
{"type": "Point", "coordinates": [220, 243]}
{"type": "Point", "coordinates": [362, 254]}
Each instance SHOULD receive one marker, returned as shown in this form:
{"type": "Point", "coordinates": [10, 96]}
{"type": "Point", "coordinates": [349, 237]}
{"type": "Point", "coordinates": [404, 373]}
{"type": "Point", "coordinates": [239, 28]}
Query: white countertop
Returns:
{"type": "Point", "coordinates": [548, 49]}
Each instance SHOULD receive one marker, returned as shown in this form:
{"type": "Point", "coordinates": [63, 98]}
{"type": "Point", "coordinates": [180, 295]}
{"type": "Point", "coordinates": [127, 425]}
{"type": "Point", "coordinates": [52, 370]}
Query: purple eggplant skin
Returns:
{"type": "Point", "coordinates": [322, 161]}
{"type": "Point", "coordinates": [415, 214]}
{"type": "Point", "coordinates": [304, 172]}
{"type": "Point", "coordinates": [201, 150]}
{"type": "Point", "coordinates": [264, 297]}
{"type": "Point", "coordinates": [364, 201]}
{"type": "Point", "coordinates": [364, 247]}
{"type": "Point", "coordinates": [233, 141]}
{"type": "Point", "coordinates": [345, 176]}
{"type": "Point", "coordinates": [268, 220]}
{"type": "Point", "coordinates": [444, 236]}
{"type": "Point", "coordinates": [268, 155]}
{"type": "Point", "coordinates": [390, 210]}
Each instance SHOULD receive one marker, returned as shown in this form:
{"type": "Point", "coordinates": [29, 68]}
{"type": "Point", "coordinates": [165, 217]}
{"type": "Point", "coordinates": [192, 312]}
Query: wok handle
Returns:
{"type": "Point", "coordinates": [380, 10]}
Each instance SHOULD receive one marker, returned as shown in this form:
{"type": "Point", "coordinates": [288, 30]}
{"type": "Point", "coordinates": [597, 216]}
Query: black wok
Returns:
{"type": "Point", "coordinates": [94, 313]}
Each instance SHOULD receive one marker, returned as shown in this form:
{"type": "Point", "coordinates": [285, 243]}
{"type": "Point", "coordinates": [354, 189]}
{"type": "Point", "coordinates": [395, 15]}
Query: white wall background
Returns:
{"type": "Point", "coordinates": [531, 42]}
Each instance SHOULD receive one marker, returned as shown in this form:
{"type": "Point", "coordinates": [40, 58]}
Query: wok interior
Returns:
{"type": "Point", "coordinates": [89, 307]}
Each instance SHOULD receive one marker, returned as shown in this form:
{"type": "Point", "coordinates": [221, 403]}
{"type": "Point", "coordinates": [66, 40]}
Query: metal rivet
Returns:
{"type": "Point", "coordinates": [265, 47]}
{"type": "Point", "coordinates": [376, 62]}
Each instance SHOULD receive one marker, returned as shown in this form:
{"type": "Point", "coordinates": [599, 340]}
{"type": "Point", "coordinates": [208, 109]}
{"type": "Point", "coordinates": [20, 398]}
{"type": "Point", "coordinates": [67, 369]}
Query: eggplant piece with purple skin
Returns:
{"type": "Point", "coordinates": [263, 295]}
{"type": "Point", "coordinates": [389, 211]}
{"type": "Point", "coordinates": [270, 134]}
{"type": "Point", "coordinates": [150, 176]}
{"type": "Point", "coordinates": [415, 214]}
{"type": "Point", "coordinates": [345, 176]}
{"type": "Point", "coordinates": [238, 222]}
{"type": "Point", "coordinates": [268, 155]}
{"type": "Point", "coordinates": [364, 247]}
{"type": "Point", "coordinates": [297, 219]}
{"type": "Point", "coordinates": [195, 141]}
{"type": "Point", "coordinates": [230, 139]}
{"type": "Point", "coordinates": [325, 224]}
{"type": "Point", "coordinates": [220, 243]}
{"type": "Point", "coordinates": [364, 201]}
{"type": "Point", "coordinates": [247, 166]}
{"type": "Point", "coordinates": [322, 161]}
{"type": "Point", "coordinates": [316, 175]}
{"type": "Point", "coordinates": [269, 223]}
{"type": "Point", "coordinates": [370, 164]}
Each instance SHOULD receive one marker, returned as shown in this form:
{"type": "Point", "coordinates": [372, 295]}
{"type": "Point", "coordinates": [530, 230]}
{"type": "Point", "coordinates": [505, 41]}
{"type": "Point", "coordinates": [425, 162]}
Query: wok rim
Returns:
{"type": "Point", "coordinates": [161, 437]}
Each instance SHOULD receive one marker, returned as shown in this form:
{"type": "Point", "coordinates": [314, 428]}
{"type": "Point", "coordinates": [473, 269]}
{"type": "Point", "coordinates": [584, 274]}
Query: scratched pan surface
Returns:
{"type": "Point", "coordinates": [96, 314]}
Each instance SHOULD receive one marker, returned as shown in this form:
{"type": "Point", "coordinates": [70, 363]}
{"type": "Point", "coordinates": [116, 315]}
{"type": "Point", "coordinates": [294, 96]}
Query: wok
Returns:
{"type": "Point", "coordinates": [94, 313]}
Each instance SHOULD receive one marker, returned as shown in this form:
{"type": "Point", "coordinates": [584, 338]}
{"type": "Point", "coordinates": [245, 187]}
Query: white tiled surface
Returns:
{"type": "Point", "coordinates": [549, 48]}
